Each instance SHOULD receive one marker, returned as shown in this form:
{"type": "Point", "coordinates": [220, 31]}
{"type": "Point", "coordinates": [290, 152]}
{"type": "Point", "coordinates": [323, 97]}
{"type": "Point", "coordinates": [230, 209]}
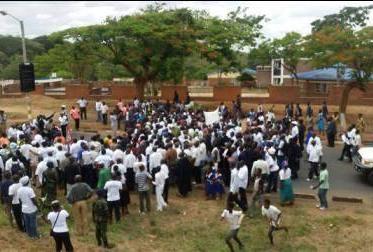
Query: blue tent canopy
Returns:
{"type": "Point", "coordinates": [328, 74]}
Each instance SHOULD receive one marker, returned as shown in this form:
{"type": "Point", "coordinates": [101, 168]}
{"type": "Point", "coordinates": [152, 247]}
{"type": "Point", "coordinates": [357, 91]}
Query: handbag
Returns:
{"type": "Point", "coordinates": [51, 231]}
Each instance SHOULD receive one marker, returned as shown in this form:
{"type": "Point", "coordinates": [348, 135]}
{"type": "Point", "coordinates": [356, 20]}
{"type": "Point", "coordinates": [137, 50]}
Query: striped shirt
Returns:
{"type": "Point", "coordinates": [142, 180]}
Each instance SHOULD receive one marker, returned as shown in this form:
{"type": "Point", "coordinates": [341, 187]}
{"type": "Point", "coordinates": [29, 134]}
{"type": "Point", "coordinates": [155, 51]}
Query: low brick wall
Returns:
{"type": "Point", "coordinates": [226, 93]}
{"type": "Point", "coordinates": [283, 94]}
{"type": "Point", "coordinates": [168, 92]}
{"type": "Point", "coordinates": [123, 92]}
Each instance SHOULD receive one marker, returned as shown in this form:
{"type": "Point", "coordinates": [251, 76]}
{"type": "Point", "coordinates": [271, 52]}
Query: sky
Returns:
{"type": "Point", "coordinates": [43, 18]}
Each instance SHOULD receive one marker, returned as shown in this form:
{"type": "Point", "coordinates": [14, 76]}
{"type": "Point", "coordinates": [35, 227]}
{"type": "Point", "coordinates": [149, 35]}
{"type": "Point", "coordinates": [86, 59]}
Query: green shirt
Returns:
{"type": "Point", "coordinates": [103, 176]}
{"type": "Point", "coordinates": [324, 176]}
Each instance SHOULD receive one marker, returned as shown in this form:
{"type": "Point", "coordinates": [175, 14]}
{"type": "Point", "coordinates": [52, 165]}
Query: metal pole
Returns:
{"type": "Point", "coordinates": [24, 54]}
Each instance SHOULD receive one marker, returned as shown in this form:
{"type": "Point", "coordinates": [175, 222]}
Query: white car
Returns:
{"type": "Point", "coordinates": [363, 162]}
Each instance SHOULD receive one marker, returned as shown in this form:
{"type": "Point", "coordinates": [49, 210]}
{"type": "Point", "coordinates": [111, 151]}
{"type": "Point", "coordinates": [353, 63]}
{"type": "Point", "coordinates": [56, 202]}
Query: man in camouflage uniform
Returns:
{"type": "Point", "coordinates": [50, 179]}
{"type": "Point", "coordinates": [100, 214]}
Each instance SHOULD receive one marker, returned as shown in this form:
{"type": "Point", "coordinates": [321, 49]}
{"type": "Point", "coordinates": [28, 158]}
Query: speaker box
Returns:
{"type": "Point", "coordinates": [27, 77]}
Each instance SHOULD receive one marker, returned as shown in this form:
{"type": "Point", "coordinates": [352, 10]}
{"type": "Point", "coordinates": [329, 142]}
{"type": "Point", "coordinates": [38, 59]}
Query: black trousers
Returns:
{"type": "Point", "coordinates": [17, 212]}
{"type": "Point", "coordinates": [83, 113]}
{"type": "Point", "coordinates": [104, 118]}
{"type": "Point", "coordinates": [63, 238]}
{"type": "Point", "coordinates": [114, 205]}
{"type": "Point", "coordinates": [197, 174]}
{"type": "Point", "coordinates": [165, 190]}
{"type": "Point", "coordinates": [272, 182]}
{"type": "Point", "coordinates": [243, 199]}
{"type": "Point", "coordinates": [331, 138]}
{"type": "Point", "coordinates": [64, 130]}
{"type": "Point", "coordinates": [346, 150]}
{"type": "Point", "coordinates": [314, 170]}
{"type": "Point", "coordinates": [77, 123]}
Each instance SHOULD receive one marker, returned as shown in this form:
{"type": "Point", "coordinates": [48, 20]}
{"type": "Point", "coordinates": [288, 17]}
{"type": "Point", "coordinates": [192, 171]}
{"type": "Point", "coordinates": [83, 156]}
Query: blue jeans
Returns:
{"type": "Point", "coordinates": [30, 224]}
{"type": "Point", "coordinates": [99, 116]}
{"type": "Point", "coordinates": [322, 197]}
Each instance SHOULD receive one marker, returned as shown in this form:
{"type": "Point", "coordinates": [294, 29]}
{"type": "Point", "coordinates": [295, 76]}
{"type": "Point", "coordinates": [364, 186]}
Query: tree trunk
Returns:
{"type": "Point", "coordinates": [140, 85]}
{"type": "Point", "coordinates": [343, 105]}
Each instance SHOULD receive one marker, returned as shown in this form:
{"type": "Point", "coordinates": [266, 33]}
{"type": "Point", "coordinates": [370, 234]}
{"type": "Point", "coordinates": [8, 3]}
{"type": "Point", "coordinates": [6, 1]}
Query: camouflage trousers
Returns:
{"type": "Point", "coordinates": [101, 233]}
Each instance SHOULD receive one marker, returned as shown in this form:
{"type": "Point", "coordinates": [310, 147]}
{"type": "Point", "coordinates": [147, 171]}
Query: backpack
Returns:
{"type": "Point", "coordinates": [15, 168]}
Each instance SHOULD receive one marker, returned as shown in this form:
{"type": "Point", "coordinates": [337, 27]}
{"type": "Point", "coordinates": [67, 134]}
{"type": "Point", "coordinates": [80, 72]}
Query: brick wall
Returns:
{"type": "Point", "coordinates": [263, 77]}
{"type": "Point", "coordinates": [226, 93]}
{"type": "Point", "coordinates": [124, 92]}
{"type": "Point", "coordinates": [283, 94]}
{"type": "Point", "coordinates": [168, 92]}
{"type": "Point", "coordinates": [76, 91]}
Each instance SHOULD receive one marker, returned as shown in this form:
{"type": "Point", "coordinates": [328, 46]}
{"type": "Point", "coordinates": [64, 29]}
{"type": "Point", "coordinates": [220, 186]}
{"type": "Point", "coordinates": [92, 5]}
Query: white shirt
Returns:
{"type": "Point", "coordinates": [234, 185]}
{"type": "Point", "coordinates": [261, 165]}
{"type": "Point", "coordinates": [272, 214]}
{"type": "Point", "coordinates": [129, 161]}
{"type": "Point", "coordinates": [104, 109]}
{"type": "Point", "coordinates": [155, 160]}
{"type": "Point", "coordinates": [9, 163]}
{"type": "Point", "coordinates": [165, 170]}
{"type": "Point", "coordinates": [40, 169]}
{"type": "Point", "coordinates": [87, 158]}
{"type": "Point", "coordinates": [25, 194]}
{"type": "Point", "coordinates": [118, 154]}
{"type": "Point", "coordinates": [82, 103]}
{"type": "Point", "coordinates": [60, 225]}
{"type": "Point", "coordinates": [232, 218]}
{"type": "Point", "coordinates": [314, 153]}
{"type": "Point", "coordinates": [98, 106]}
{"type": "Point", "coordinates": [13, 191]}
{"type": "Point", "coordinates": [61, 155]}
{"type": "Point", "coordinates": [243, 176]}
{"type": "Point", "coordinates": [294, 131]}
{"type": "Point", "coordinates": [74, 150]}
{"type": "Point", "coordinates": [272, 164]}
{"type": "Point", "coordinates": [104, 159]}
{"type": "Point", "coordinates": [113, 187]}
{"type": "Point", "coordinates": [159, 179]}
{"type": "Point", "coordinates": [25, 150]}
{"type": "Point", "coordinates": [285, 174]}
{"type": "Point", "coordinates": [64, 120]}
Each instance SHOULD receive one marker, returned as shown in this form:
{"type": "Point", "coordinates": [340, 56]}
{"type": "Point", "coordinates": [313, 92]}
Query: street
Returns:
{"type": "Point", "coordinates": [343, 179]}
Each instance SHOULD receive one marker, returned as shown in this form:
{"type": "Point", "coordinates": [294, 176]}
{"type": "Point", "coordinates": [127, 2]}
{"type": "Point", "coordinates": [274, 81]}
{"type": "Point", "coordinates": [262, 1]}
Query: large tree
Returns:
{"type": "Point", "coordinates": [343, 40]}
{"type": "Point", "coordinates": [155, 43]}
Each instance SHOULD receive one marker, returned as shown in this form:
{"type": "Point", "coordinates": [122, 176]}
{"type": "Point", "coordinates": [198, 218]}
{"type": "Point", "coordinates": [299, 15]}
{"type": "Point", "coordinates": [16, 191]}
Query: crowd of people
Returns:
{"type": "Point", "coordinates": [163, 144]}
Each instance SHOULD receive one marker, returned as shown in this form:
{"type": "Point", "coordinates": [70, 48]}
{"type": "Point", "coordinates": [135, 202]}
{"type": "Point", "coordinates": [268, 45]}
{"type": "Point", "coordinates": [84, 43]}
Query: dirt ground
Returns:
{"type": "Point", "coordinates": [16, 108]}
{"type": "Point", "coordinates": [193, 224]}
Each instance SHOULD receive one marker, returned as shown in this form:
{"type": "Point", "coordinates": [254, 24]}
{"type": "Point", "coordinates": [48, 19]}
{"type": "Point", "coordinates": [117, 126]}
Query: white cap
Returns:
{"type": "Point", "coordinates": [24, 180]}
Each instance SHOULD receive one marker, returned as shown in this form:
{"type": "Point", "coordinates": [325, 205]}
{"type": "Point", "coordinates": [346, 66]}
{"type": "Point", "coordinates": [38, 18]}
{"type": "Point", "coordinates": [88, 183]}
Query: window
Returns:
{"type": "Point", "coordinates": [277, 67]}
{"type": "Point", "coordinates": [321, 88]}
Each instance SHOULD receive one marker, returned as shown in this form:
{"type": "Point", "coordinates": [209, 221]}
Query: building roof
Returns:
{"type": "Point", "coordinates": [249, 71]}
{"type": "Point", "coordinates": [326, 74]}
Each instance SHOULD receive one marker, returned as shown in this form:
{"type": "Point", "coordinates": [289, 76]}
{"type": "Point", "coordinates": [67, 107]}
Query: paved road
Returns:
{"type": "Point", "coordinates": [344, 180]}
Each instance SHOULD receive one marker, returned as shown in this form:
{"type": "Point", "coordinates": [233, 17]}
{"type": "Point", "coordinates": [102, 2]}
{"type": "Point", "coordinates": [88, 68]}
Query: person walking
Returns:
{"type": "Point", "coordinates": [16, 205]}
{"type": "Point", "coordinates": [104, 111]}
{"type": "Point", "coordinates": [159, 182]}
{"type": "Point", "coordinates": [141, 179]}
{"type": "Point", "coordinates": [64, 122]}
{"type": "Point", "coordinates": [50, 180]}
{"type": "Point", "coordinates": [29, 204]}
{"type": "Point", "coordinates": [75, 115]}
{"type": "Point", "coordinates": [274, 217]}
{"type": "Point", "coordinates": [314, 156]}
{"type": "Point", "coordinates": [98, 106]}
{"type": "Point", "coordinates": [60, 231]}
{"type": "Point", "coordinates": [323, 187]}
{"type": "Point", "coordinates": [100, 216]}
{"type": "Point", "coordinates": [83, 103]}
{"type": "Point", "coordinates": [331, 131]}
{"type": "Point", "coordinates": [113, 188]}
{"type": "Point", "coordinates": [78, 196]}
{"type": "Point", "coordinates": [286, 188]}
{"type": "Point", "coordinates": [234, 218]}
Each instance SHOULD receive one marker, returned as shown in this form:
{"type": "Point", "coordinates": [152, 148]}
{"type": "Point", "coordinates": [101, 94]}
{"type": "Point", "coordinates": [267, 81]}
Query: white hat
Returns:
{"type": "Point", "coordinates": [24, 180]}
{"type": "Point", "coordinates": [63, 106]}
{"type": "Point", "coordinates": [271, 151]}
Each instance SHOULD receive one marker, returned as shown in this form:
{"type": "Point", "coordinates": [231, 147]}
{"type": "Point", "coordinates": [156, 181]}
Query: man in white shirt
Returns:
{"type": "Point", "coordinates": [129, 164]}
{"type": "Point", "coordinates": [27, 198]}
{"type": "Point", "coordinates": [234, 219]}
{"type": "Point", "coordinates": [159, 182]}
{"type": "Point", "coordinates": [273, 215]}
{"type": "Point", "coordinates": [16, 205]}
{"type": "Point", "coordinates": [14, 165]}
{"type": "Point", "coordinates": [75, 148]}
{"type": "Point", "coordinates": [82, 102]}
{"type": "Point", "coordinates": [155, 161]}
{"type": "Point", "coordinates": [104, 159]}
{"type": "Point", "coordinates": [314, 155]}
{"type": "Point", "coordinates": [243, 178]}
{"type": "Point", "coordinates": [99, 111]}
{"type": "Point", "coordinates": [346, 147]}
{"type": "Point", "coordinates": [113, 188]}
{"type": "Point", "coordinates": [40, 169]}
{"type": "Point", "coordinates": [294, 130]}
{"type": "Point", "coordinates": [273, 170]}
{"type": "Point", "coordinates": [64, 122]}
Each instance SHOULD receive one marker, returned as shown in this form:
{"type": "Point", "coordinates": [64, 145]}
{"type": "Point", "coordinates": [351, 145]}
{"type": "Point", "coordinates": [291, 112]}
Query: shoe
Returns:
{"type": "Point", "coordinates": [322, 208]}
{"type": "Point", "coordinates": [317, 206]}
{"type": "Point", "coordinates": [109, 246]}
{"type": "Point", "coordinates": [308, 179]}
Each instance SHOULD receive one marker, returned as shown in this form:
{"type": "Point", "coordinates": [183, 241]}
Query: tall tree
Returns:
{"type": "Point", "coordinates": [342, 40]}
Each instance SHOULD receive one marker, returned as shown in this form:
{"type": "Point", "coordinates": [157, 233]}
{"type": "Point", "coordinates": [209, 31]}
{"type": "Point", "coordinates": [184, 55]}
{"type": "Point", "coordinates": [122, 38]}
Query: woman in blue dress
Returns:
{"type": "Point", "coordinates": [219, 184]}
{"type": "Point", "coordinates": [321, 123]}
{"type": "Point", "coordinates": [209, 184]}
